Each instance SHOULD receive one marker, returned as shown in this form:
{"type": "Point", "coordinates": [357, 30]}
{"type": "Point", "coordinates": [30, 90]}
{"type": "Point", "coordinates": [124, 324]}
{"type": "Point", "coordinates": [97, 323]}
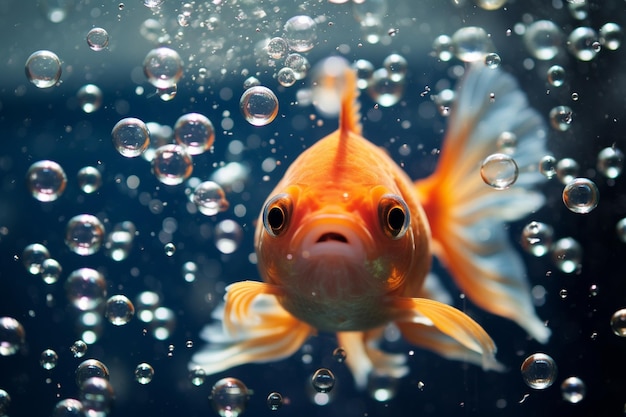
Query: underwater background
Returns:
{"type": "Point", "coordinates": [163, 249]}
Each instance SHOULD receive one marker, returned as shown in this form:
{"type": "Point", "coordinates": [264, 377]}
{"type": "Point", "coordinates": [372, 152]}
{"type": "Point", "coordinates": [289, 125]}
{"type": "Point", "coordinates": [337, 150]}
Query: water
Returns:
{"type": "Point", "coordinates": [111, 61]}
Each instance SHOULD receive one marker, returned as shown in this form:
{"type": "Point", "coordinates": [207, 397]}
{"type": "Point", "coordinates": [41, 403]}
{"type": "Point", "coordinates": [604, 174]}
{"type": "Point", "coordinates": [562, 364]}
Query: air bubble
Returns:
{"type": "Point", "coordinates": [229, 397]}
{"type": "Point", "coordinates": [499, 171]}
{"type": "Point", "coordinates": [340, 354]}
{"type": "Point", "coordinates": [543, 39]}
{"type": "Point", "coordinates": [611, 36]}
{"type": "Point", "coordinates": [573, 390]}
{"type": "Point", "coordinates": [85, 289]}
{"type": "Point", "coordinates": [78, 349]}
{"type": "Point", "coordinates": [144, 373]}
{"type": "Point", "coordinates": [300, 33]}
{"type": "Point", "coordinates": [492, 60]}
{"type": "Point", "coordinates": [97, 39]}
{"type": "Point", "coordinates": [96, 395]}
{"type": "Point", "coordinates": [561, 118]}
{"type": "Point", "coordinates": [48, 359]}
{"type": "Point", "coordinates": [259, 105]}
{"type": "Point", "coordinates": [396, 66]}
{"type": "Point", "coordinates": [210, 198]}
{"type": "Point", "coordinates": [556, 75]}
{"type": "Point", "coordinates": [277, 48]}
{"type": "Point", "coordinates": [537, 238]}
{"type": "Point", "coordinates": [228, 235]}
{"type": "Point", "coordinates": [274, 401]}
{"type": "Point", "coordinates": [566, 170]}
{"type": "Point", "coordinates": [12, 336]}
{"type": "Point", "coordinates": [50, 271]}
{"type": "Point", "coordinates": [299, 64]}
{"type": "Point", "coordinates": [364, 72]}
{"type": "Point", "coordinates": [170, 249]}
{"type": "Point", "coordinates": [471, 44]}
{"type": "Point", "coordinates": [172, 164]}
{"type": "Point", "coordinates": [90, 368]}
{"type": "Point", "coordinates": [197, 376]}
{"type": "Point", "coordinates": [618, 322]}
{"type": "Point", "coordinates": [163, 67]}
{"type": "Point", "coordinates": [130, 137]}
{"type": "Point", "coordinates": [43, 69]}
{"type": "Point", "coordinates": [539, 371]}
{"type": "Point", "coordinates": [286, 77]}
{"type": "Point", "coordinates": [119, 310]}
{"type": "Point", "coordinates": [581, 195]}
{"type": "Point", "coordinates": [581, 43]}
{"type": "Point", "coordinates": [46, 180]}
{"type": "Point", "coordinates": [84, 234]}
{"type": "Point", "coordinates": [89, 179]}
{"type": "Point", "coordinates": [68, 407]}
{"type": "Point", "coordinates": [610, 162]}
{"type": "Point", "coordinates": [323, 380]}
{"type": "Point", "coordinates": [384, 90]}
{"type": "Point", "coordinates": [567, 254]}
{"type": "Point", "coordinates": [194, 131]}
{"type": "Point", "coordinates": [547, 166]}
{"type": "Point", "coordinates": [443, 48]}
{"type": "Point", "coordinates": [507, 143]}
{"type": "Point", "coordinates": [33, 257]}
{"type": "Point", "coordinates": [89, 98]}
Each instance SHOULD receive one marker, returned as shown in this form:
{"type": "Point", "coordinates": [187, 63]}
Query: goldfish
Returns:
{"type": "Point", "coordinates": [345, 241]}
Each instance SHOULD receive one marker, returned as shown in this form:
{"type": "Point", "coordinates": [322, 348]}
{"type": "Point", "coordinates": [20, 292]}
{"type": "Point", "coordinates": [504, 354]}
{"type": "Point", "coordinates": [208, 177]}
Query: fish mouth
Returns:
{"type": "Point", "coordinates": [332, 237]}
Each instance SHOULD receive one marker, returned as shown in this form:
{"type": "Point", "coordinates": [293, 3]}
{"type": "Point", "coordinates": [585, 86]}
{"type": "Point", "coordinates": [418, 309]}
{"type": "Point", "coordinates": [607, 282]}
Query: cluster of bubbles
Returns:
{"type": "Point", "coordinates": [539, 371]}
{"type": "Point", "coordinates": [538, 240]}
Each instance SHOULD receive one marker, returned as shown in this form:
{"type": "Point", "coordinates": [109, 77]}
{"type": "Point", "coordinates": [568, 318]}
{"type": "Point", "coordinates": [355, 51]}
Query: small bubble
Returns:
{"type": "Point", "coordinates": [543, 39]}
{"type": "Point", "coordinates": [561, 118]}
{"type": "Point", "coordinates": [364, 72]}
{"type": "Point", "coordinates": [471, 44]}
{"type": "Point", "coordinates": [259, 105]}
{"type": "Point", "coordinates": [566, 170]}
{"type": "Point", "coordinates": [611, 36]}
{"type": "Point", "coordinates": [48, 359]}
{"type": "Point", "coordinates": [78, 349]}
{"type": "Point", "coordinates": [299, 64]}
{"type": "Point", "coordinates": [547, 166]}
{"type": "Point", "coordinates": [575, 96]}
{"type": "Point", "coordinates": [610, 162]}
{"type": "Point", "coordinates": [153, 3]}
{"type": "Point", "coordinates": [89, 98]}
{"type": "Point", "coordinates": [492, 60]}
{"type": "Point", "coordinates": [581, 195]}
{"type": "Point", "coordinates": [197, 376]}
{"type": "Point", "coordinates": [277, 48]}
{"type": "Point", "coordinates": [46, 180]}
{"type": "Point", "coordinates": [84, 234]}
{"type": "Point", "coordinates": [163, 67]}
{"type": "Point", "coordinates": [172, 164]}
{"type": "Point", "coordinates": [286, 77]}
{"type": "Point", "coordinates": [33, 257]}
{"type": "Point", "coordinates": [43, 69]}
{"type": "Point", "coordinates": [85, 288]}
{"type": "Point", "coordinates": [210, 198]}
{"type": "Point", "coordinates": [274, 401]}
{"type": "Point", "coordinates": [97, 396]}
{"type": "Point", "coordinates": [381, 387]}
{"type": "Point", "coordinates": [170, 249]}
{"type": "Point", "coordinates": [144, 373]}
{"type": "Point", "coordinates": [300, 33]}
{"type": "Point", "coordinates": [556, 75]}
{"type": "Point", "coordinates": [537, 238]}
{"type": "Point", "coordinates": [50, 271]}
{"type": "Point", "coordinates": [251, 82]}
{"type": "Point", "coordinates": [194, 131]}
{"type": "Point", "coordinates": [539, 371]}
{"type": "Point", "coordinates": [443, 48]}
{"type": "Point", "coordinates": [507, 143]}
{"type": "Point", "coordinates": [618, 322]}
{"type": "Point", "coordinates": [573, 390]}
{"type": "Point", "coordinates": [396, 66]}
{"type": "Point", "coordinates": [229, 397]}
{"type": "Point", "coordinates": [68, 407]}
{"type": "Point", "coordinates": [119, 310]}
{"type": "Point", "coordinates": [340, 354]}
{"type": "Point", "coordinates": [89, 179]}
{"type": "Point", "coordinates": [97, 39]}
{"type": "Point", "coordinates": [130, 137]}
{"type": "Point", "coordinates": [12, 336]}
{"type": "Point", "coordinates": [581, 43]}
{"type": "Point", "coordinates": [567, 254]}
{"type": "Point", "coordinates": [89, 369]}
{"type": "Point", "coordinates": [499, 171]}
{"type": "Point", "coordinates": [620, 229]}
{"type": "Point", "coordinates": [323, 380]}
{"type": "Point", "coordinates": [228, 235]}
{"type": "Point", "coordinates": [384, 89]}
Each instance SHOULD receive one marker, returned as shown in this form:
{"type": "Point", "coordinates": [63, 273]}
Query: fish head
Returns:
{"type": "Point", "coordinates": [336, 244]}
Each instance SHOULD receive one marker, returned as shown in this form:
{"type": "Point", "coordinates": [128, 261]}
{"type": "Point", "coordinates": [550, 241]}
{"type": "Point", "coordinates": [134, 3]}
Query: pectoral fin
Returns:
{"type": "Point", "coordinates": [254, 328]}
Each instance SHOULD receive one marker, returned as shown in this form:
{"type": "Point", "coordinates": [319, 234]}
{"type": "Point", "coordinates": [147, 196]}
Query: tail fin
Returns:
{"type": "Point", "coordinates": [467, 216]}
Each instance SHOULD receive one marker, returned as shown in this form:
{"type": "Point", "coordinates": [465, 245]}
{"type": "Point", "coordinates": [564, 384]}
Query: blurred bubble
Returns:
{"type": "Point", "coordinates": [556, 75]}
{"type": "Point", "coordinates": [146, 303]}
{"type": "Point", "coordinates": [396, 66]}
{"type": "Point", "coordinates": [300, 33]}
{"type": "Point", "coordinates": [507, 142]}
{"type": "Point", "coordinates": [33, 257]}
{"type": "Point", "coordinates": [579, 9]}
{"type": "Point", "coordinates": [364, 72]}
{"type": "Point", "coordinates": [471, 43]}
{"type": "Point", "coordinates": [144, 373]}
{"type": "Point", "coordinates": [274, 401]}
{"type": "Point", "coordinates": [84, 234]}
{"type": "Point", "coordinates": [194, 131]}
{"type": "Point", "coordinates": [543, 39]}
{"type": "Point", "coordinates": [78, 349]}
{"type": "Point", "coordinates": [573, 390]}
{"type": "Point", "coordinates": [5, 402]}
{"type": "Point", "coordinates": [499, 171]}
{"type": "Point", "coordinates": [90, 368]}
{"type": "Point", "coordinates": [12, 336]}
{"type": "Point", "coordinates": [210, 198]}
{"type": "Point", "coordinates": [581, 195]}
{"type": "Point", "coordinates": [323, 380]}
{"type": "Point", "coordinates": [384, 90]}
{"type": "Point", "coordinates": [43, 69]}
{"type": "Point", "coordinates": [620, 228]}
{"type": "Point", "coordinates": [611, 36]}
{"type": "Point", "coordinates": [443, 48]}
{"type": "Point", "coordinates": [537, 238]}
{"type": "Point", "coordinates": [89, 98]}
{"type": "Point", "coordinates": [299, 64]}
{"type": "Point", "coordinates": [491, 4]}
{"type": "Point", "coordinates": [610, 162]}
{"type": "Point", "coordinates": [277, 48]}
{"type": "Point", "coordinates": [567, 254]}
{"type": "Point", "coordinates": [153, 3]}
{"type": "Point", "coordinates": [163, 323]}
{"type": "Point", "coordinates": [382, 388]}
{"type": "Point", "coordinates": [547, 166]}
{"type": "Point", "coordinates": [189, 271]}
{"type": "Point", "coordinates": [561, 118]}
{"type": "Point", "coordinates": [96, 395]}
{"type": "Point", "coordinates": [259, 105]}
{"type": "Point", "coordinates": [286, 77]}
{"type": "Point", "coordinates": [566, 170]}
{"type": "Point", "coordinates": [85, 288]}
{"type": "Point", "coordinates": [89, 179]}
{"type": "Point", "coordinates": [197, 376]}
{"type": "Point", "coordinates": [229, 397]}
{"type": "Point", "coordinates": [340, 354]}
{"type": "Point", "coordinates": [618, 322]}
{"type": "Point", "coordinates": [97, 39]}
{"type": "Point", "coordinates": [68, 407]}
{"type": "Point", "coordinates": [48, 359]}
{"type": "Point", "coordinates": [46, 180]}
{"type": "Point", "coordinates": [539, 371]}
{"type": "Point", "coordinates": [163, 67]}
{"type": "Point", "coordinates": [251, 82]}
{"type": "Point", "coordinates": [120, 241]}
{"type": "Point", "coordinates": [50, 271]}
{"type": "Point", "coordinates": [119, 310]}
{"type": "Point", "coordinates": [228, 235]}
{"type": "Point", "coordinates": [130, 137]}
{"type": "Point", "coordinates": [581, 43]}
{"type": "Point", "coordinates": [170, 249]}
{"type": "Point", "coordinates": [172, 164]}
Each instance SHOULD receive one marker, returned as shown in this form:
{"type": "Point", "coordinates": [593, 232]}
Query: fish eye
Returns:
{"type": "Point", "coordinates": [276, 214]}
{"type": "Point", "coordinates": [394, 216]}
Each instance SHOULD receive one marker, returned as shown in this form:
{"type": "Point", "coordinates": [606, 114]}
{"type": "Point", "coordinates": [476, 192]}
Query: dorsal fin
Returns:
{"type": "Point", "coordinates": [350, 116]}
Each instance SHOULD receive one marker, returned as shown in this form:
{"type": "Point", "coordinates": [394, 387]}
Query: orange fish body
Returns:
{"type": "Point", "coordinates": [344, 242]}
